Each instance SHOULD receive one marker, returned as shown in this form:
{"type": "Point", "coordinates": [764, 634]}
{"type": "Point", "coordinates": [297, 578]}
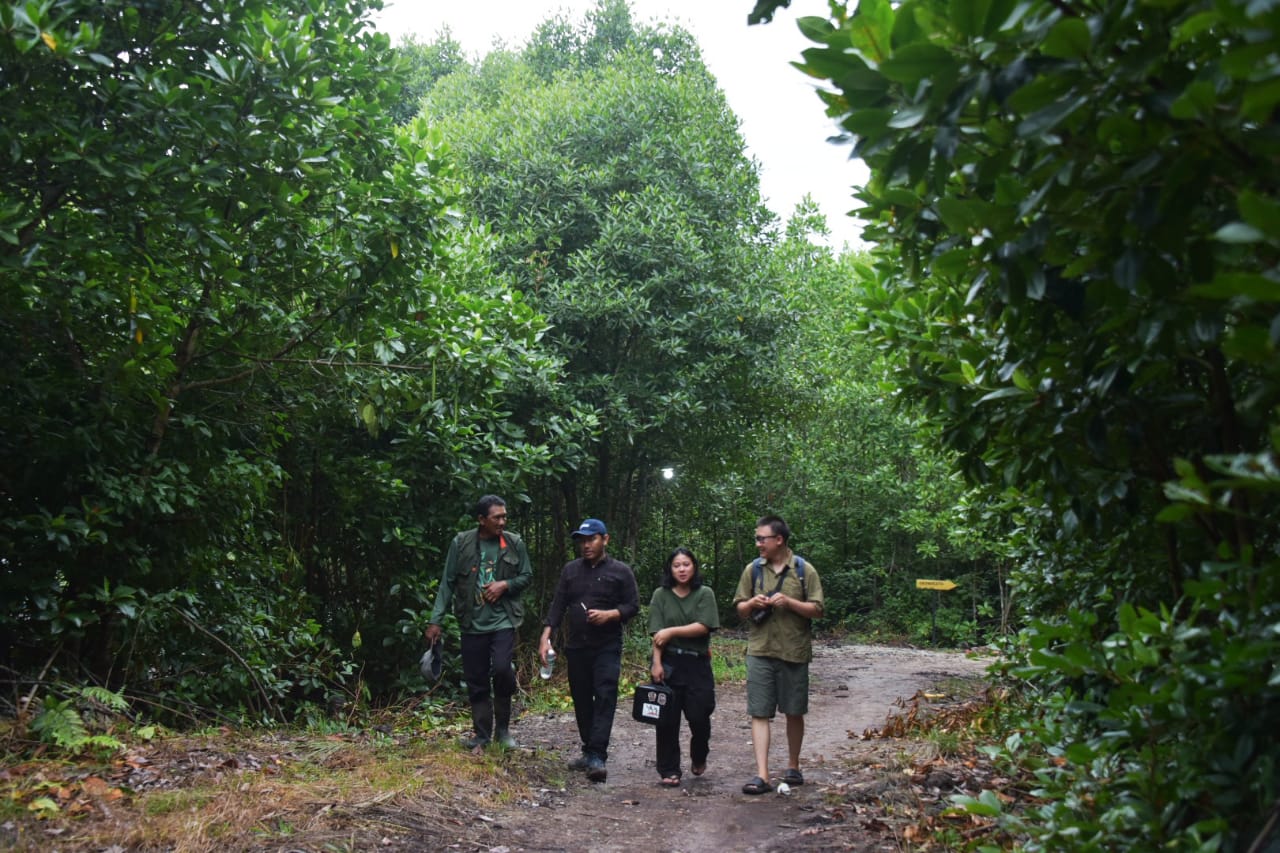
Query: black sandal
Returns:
{"type": "Point", "coordinates": [757, 786]}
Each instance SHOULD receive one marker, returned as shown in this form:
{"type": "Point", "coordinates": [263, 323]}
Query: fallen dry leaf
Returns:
{"type": "Point", "coordinates": [94, 786]}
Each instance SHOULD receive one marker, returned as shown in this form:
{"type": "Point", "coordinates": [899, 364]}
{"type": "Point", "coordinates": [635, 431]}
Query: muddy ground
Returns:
{"type": "Point", "coordinates": [854, 786]}
{"type": "Point", "coordinates": [385, 789]}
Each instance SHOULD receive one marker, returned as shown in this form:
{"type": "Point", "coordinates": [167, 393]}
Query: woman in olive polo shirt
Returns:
{"type": "Point", "coordinates": [682, 615]}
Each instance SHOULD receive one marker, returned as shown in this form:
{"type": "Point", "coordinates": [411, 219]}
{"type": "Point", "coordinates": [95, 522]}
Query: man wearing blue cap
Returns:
{"type": "Point", "coordinates": [595, 598]}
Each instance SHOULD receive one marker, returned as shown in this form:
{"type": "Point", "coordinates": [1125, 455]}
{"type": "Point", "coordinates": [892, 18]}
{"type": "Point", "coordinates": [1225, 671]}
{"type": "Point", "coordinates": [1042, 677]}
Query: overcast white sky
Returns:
{"type": "Point", "coordinates": [782, 119]}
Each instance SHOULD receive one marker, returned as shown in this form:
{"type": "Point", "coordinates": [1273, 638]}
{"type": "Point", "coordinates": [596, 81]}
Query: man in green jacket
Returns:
{"type": "Point", "coordinates": [484, 575]}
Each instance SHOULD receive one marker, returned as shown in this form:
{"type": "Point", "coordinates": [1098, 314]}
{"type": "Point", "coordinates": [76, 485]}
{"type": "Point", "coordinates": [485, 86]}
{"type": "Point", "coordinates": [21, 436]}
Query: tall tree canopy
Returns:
{"type": "Point", "coordinates": [1077, 217]}
{"type": "Point", "coordinates": [613, 175]}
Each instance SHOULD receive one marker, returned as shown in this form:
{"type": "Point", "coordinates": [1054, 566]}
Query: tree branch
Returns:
{"type": "Point", "coordinates": [253, 675]}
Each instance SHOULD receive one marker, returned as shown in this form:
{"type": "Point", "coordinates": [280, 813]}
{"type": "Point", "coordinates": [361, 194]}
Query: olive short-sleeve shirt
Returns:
{"type": "Point", "coordinates": [668, 610]}
{"type": "Point", "coordinates": [785, 635]}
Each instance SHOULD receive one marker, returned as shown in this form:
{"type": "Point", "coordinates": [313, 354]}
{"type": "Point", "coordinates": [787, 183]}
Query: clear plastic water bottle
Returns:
{"type": "Point", "coordinates": [550, 665]}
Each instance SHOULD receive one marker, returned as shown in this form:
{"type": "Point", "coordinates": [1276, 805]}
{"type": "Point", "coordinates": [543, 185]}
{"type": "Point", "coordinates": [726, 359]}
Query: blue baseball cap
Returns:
{"type": "Point", "coordinates": [591, 527]}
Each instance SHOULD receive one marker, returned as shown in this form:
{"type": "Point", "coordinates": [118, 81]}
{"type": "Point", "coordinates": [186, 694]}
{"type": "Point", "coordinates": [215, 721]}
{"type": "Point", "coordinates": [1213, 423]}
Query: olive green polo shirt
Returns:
{"type": "Point", "coordinates": [668, 610]}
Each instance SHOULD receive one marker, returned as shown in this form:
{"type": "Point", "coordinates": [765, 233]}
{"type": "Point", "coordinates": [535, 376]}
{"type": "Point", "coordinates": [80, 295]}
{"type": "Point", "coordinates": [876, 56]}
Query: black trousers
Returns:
{"type": "Point", "coordinates": [693, 689]}
{"type": "Point", "coordinates": [486, 660]}
{"type": "Point", "coordinates": [593, 684]}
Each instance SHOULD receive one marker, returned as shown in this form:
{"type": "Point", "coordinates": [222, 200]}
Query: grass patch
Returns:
{"type": "Point", "coordinates": [168, 802]}
{"type": "Point", "coordinates": [729, 659]}
{"type": "Point", "coordinates": [241, 789]}
{"type": "Point", "coordinates": [544, 697]}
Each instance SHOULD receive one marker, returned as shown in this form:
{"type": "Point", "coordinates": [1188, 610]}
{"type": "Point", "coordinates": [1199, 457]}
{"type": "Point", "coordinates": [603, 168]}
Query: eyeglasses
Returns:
{"type": "Point", "coordinates": [766, 538]}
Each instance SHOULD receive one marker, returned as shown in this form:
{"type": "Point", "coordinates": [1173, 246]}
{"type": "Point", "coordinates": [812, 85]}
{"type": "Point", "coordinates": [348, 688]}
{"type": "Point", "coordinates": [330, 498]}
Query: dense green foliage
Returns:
{"type": "Point", "coordinates": [269, 330]}
{"type": "Point", "coordinates": [247, 344]}
{"type": "Point", "coordinates": [872, 502]}
{"type": "Point", "coordinates": [611, 171]}
{"type": "Point", "coordinates": [627, 213]}
{"type": "Point", "coordinates": [1078, 225]}
{"type": "Point", "coordinates": [269, 333]}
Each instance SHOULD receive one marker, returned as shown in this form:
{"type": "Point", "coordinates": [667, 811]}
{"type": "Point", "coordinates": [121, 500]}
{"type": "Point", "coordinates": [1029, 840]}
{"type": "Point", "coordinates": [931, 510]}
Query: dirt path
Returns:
{"type": "Point", "coordinates": [853, 688]}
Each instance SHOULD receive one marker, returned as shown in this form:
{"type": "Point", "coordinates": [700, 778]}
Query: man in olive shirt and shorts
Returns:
{"type": "Point", "coordinates": [780, 597]}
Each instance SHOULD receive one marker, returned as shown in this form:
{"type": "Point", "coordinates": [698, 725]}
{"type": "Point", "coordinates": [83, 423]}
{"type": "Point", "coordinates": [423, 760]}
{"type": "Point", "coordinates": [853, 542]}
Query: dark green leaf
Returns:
{"type": "Point", "coordinates": [1260, 100]}
{"type": "Point", "coordinates": [870, 28]}
{"type": "Point", "coordinates": [970, 16]}
{"type": "Point", "coordinates": [1068, 39]}
{"type": "Point", "coordinates": [1261, 212]}
{"type": "Point", "coordinates": [1253, 286]}
{"type": "Point", "coordinates": [1050, 117]}
{"type": "Point", "coordinates": [964, 215]}
{"type": "Point", "coordinates": [908, 117]}
{"type": "Point", "coordinates": [815, 28]}
{"type": "Point", "coordinates": [916, 62]}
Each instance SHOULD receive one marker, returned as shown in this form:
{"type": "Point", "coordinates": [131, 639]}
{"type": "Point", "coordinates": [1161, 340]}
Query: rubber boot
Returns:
{"type": "Point", "coordinates": [482, 721]}
{"type": "Point", "coordinates": [502, 722]}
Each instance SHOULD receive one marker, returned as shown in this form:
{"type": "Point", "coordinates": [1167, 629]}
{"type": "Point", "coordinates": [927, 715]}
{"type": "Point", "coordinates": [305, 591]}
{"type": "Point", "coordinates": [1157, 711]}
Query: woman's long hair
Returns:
{"type": "Point", "coordinates": [669, 580]}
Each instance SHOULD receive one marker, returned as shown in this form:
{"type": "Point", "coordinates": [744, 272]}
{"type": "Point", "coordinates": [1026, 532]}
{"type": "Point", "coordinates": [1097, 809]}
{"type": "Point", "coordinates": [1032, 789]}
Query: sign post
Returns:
{"type": "Point", "coordinates": [938, 588]}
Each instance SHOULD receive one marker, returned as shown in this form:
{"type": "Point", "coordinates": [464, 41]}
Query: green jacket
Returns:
{"type": "Point", "coordinates": [461, 568]}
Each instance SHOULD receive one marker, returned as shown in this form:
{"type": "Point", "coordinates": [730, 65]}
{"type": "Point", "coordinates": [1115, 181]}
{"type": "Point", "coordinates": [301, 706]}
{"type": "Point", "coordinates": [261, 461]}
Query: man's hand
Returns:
{"type": "Point", "coordinates": [432, 634]}
{"type": "Point", "coordinates": [544, 645]}
{"type": "Point", "coordinates": [603, 617]}
{"type": "Point", "coordinates": [494, 590]}
{"type": "Point", "coordinates": [661, 637]}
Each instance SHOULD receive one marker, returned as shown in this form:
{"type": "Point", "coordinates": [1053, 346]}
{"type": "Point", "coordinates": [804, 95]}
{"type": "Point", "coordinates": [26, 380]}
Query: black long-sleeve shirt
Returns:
{"type": "Point", "coordinates": [608, 585]}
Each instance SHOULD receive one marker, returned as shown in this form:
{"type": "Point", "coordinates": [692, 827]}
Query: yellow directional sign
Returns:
{"type": "Point", "coordinates": [922, 583]}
